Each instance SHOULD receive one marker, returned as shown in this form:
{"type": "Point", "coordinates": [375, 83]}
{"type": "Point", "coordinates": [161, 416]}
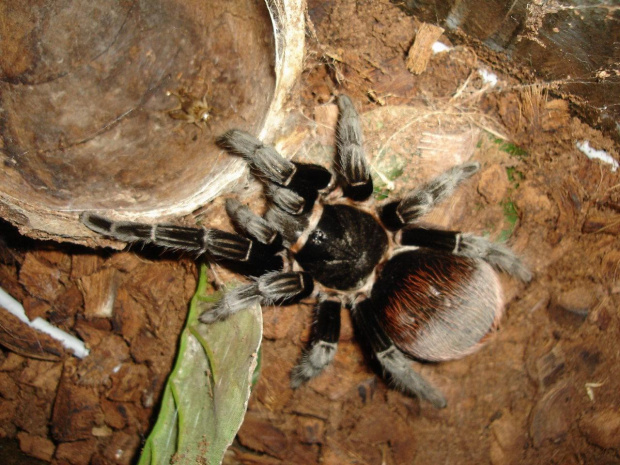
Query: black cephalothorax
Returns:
{"type": "Point", "coordinates": [424, 293]}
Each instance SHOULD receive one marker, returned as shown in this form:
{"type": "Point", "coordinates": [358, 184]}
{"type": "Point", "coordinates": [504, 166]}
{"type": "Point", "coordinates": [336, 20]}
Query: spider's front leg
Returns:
{"type": "Point", "coordinates": [398, 214]}
{"type": "Point", "coordinates": [271, 288]}
{"type": "Point", "coordinates": [292, 186]}
{"type": "Point", "coordinates": [221, 245]}
{"type": "Point", "coordinates": [351, 161]}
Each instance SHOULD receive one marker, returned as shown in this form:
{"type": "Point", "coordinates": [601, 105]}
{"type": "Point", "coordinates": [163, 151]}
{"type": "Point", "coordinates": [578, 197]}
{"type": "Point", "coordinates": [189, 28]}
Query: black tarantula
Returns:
{"type": "Point", "coordinates": [413, 292]}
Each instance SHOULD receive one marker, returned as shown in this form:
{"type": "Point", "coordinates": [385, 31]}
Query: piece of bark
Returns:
{"type": "Point", "coordinates": [36, 446]}
{"type": "Point", "coordinates": [600, 224]}
{"type": "Point", "coordinates": [17, 336]}
{"type": "Point", "coordinates": [99, 291]}
{"type": "Point", "coordinates": [422, 48]}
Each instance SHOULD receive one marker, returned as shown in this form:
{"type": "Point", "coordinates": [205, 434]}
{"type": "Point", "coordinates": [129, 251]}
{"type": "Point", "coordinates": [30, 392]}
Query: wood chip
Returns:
{"type": "Point", "coordinates": [76, 411]}
{"type": "Point", "coordinates": [99, 291]}
{"type": "Point", "coordinates": [36, 446]}
{"type": "Point", "coordinates": [24, 340]}
{"type": "Point", "coordinates": [422, 48]}
{"type": "Point", "coordinates": [601, 224]}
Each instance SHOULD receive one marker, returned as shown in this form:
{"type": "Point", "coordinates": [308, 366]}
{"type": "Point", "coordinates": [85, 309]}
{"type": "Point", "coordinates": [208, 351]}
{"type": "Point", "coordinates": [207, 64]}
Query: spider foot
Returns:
{"type": "Point", "coordinates": [271, 288]}
{"type": "Point", "coordinates": [313, 362]}
{"type": "Point", "coordinates": [398, 366]}
{"type": "Point", "coordinates": [232, 302]}
{"type": "Point", "coordinates": [325, 334]}
{"type": "Point", "coordinates": [396, 215]}
{"type": "Point", "coordinates": [264, 159]}
{"type": "Point", "coordinates": [351, 161]}
{"type": "Point", "coordinates": [497, 255]}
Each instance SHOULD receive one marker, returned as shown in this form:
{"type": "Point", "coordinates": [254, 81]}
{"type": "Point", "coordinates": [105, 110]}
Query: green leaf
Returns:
{"type": "Point", "coordinates": [207, 393]}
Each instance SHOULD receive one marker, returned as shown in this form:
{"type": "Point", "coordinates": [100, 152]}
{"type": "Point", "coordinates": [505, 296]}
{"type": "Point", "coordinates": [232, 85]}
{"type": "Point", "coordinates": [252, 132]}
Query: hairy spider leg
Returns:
{"type": "Point", "coordinates": [396, 215]}
{"type": "Point", "coordinates": [230, 248]}
{"type": "Point", "coordinates": [269, 289]}
{"type": "Point", "coordinates": [250, 223]}
{"type": "Point", "coordinates": [292, 205]}
{"type": "Point", "coordinates": [392, 360]}
{"type": "Point", "coordinates": [351, 161]}
{"type": "Point", "coordinates": [467, 245]}
{"type": "Point", "coordinates": [293, 187]}
{"type": "Point", "coordinates": [323, 341]}
{"type": "Point", "coordinates": [263, 159]}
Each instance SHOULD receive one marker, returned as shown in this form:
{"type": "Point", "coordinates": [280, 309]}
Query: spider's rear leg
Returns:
{"type": "Point", "coordinates": [431, 305]}
{"type": "Point", "coordinates": [351, 161]}
{"type": "Point", "coordinates": [268, 289]}
{"type": "Point", "coordinates": [467, 245]}
{"type": "Point", "coordinates": [396, 215]}
{"type": "Point", "coordinates": [393, 360]}
{"type": "Point", "coordinates": [222, 245]}
{"type": "Point", "coordinates": [321, 351]}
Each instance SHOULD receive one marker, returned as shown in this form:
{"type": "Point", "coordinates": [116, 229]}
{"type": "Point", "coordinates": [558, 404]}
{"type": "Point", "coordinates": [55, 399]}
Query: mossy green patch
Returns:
{"type": "Point", "coordinates": [508, 147]}
{"type": "Point", "coordinates": [514, 176]}
{"type": "Point", "coordinates": [513, 150]}
{"type": "Point", "coordinates": [511, 215]}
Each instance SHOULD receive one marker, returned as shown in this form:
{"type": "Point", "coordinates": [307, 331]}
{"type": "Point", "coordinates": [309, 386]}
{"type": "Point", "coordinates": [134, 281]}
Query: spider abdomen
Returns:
{"type": "Point", "coordinates": [344, 247]}
{"type": "Point", "coordinates": [437, 306]}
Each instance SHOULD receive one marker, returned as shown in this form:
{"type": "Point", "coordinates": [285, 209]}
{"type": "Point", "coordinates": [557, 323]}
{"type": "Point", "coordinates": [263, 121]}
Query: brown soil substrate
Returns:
{"type": "Point", "coordinates": [543, 390]}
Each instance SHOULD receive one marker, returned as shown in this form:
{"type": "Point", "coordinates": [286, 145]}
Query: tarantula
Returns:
{"type": "Point", "coordinates": [428, 294]}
